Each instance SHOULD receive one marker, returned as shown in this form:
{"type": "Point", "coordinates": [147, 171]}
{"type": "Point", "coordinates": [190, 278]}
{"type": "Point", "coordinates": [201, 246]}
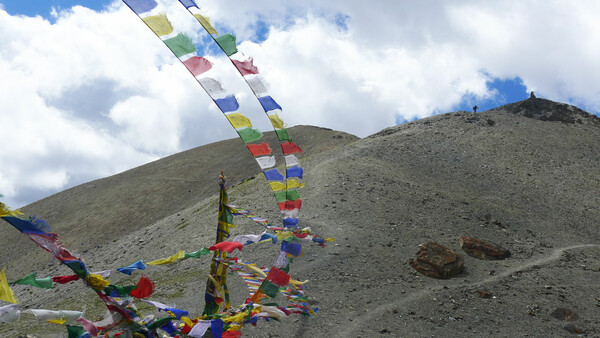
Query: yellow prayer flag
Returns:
{"type": "Point", "coordinates": [97, 282]}
{"type": "Point", "coordinates": [6, 294]}
{"type": "Point", "coordinates": [5, 211]}
{"type": "Point", "coordinates": [292, 183]}
{"type": "Point", "coordinates": [171, 259]}
{"type": "Point", "coordinates": [277, 186]}
{"type": "Point", "coordinates": [276, 121]}
{"type": "Point", "coordinates": [187, 321]}
{"type": "Point", "coordinates": [238, 120]}
{"type": "Point", "coordinates": [57, 321]}
{"type": "Point", "coordinates": [159, 24]}
{"type": "Point", "coordinates": [205, 22]}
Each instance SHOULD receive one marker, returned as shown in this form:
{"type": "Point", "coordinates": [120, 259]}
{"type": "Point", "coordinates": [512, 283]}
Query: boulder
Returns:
{"type": "Point", "coordinates": [437, 261]}
{"type": "Point", "coordinates": [482, 249]}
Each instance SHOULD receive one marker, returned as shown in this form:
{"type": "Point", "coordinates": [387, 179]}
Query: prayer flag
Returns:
{"type": "Point", "coordinates": [238, 120]}
{"type": "Point", "coordinates": [205, 22]}
{"type": "Point", "coordinates": [227, 43]}
{"type": "Point", "coordinates": [269, 103]}
{"type": "Point", "coordinates": [144, 288]}
{"type": "Point", "coordinates": [276, 121]}
{"type": "Point", "coordinates": [269, 289]}
{"type": "Point", "coordinates": [290, 205]}
{"type": "Point", "coordinates": [293, 249]}
{"type": "Point", "coordinates": [256, 84]}
{"type": "Point", "coordinates": [266, 162]}
{"type": "Point", "coordinates": [250, 135]}
{"type": "Point", "coordinates": [228, 247]}
{"type": "Point", "coordinates": [290, 148]}
{"type": "Point", "coordinates": [273, 175]}
{"type": "Point", "coordinates": [198, 253]}
{"type": "Point", "coordinates": [141, 6]}
{"type": "Point", "coordinates": [188, 3]}
{"type": "Point", "coordinates": [278, 277]}
{"type": "Point", "coordinates": [64, 279]}
{"type": "Point", "coordinates": [9, 313]}
{"type": "Point", "coordinates": [6, 294]}
{"type": "Point", "coordinates": [282, 135]}
{"type": "Point", "coordinates": [179, 255]}
{"type": "Point", "coordinates": [44, 283]}
{"type": "Point", "coordinates": [227, 104]}
{"type": "Point", "coordinates": [159, 24]}
{"type": "Point", "coordinates": [180, 45]}
{"type": "Point", "coordinates": [212, 86]}
{"type": "Point", "coordinates": [198, 65]}
{"type": "Point", "coordinates": [259, 149]}
{"type": "Point", "coordinates": [245, 67]}
{"type": "Point", "coordinates": [290, 222]}
{"type": "Point", "coordinates": [139, 265]}
{"type": "Point", "coordinates": [294, 172]}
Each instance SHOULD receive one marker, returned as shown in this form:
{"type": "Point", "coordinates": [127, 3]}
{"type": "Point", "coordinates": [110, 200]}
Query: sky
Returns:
{"type": "Point", "coordinates": [88, 91]}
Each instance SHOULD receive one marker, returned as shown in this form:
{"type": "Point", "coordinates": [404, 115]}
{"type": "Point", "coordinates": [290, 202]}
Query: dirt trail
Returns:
{"type": "Point", "coordinates": [523, 266]}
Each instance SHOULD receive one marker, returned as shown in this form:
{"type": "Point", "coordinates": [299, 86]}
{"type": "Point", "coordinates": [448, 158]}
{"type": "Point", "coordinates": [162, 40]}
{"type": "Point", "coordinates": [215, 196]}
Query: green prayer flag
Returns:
{"type": "Point", "coordinates": [44, 283]}
{"type": "Point", "coordinates": [269, 289]}
{"type": "Point", "coordinates": [196, 254]}
{"type": "Point", "coordinates": [250, 135]}
{"type": "Point", "coordinates": [122, 291]}
{"type": "Point", "coordinates": [79, 268]}
{"type": "Point", "coordinates": [287, 195]}
{"type": "Point", "coordinates": [227, 43]}
{"type": "Point", "coordinates": [282, 135]}
{"type": "Point", "coordinates": [160, 322]}
{"type": "Point", "coordinates": [180, 45]}
{"type": "Point", "coordinates": [74, 331]}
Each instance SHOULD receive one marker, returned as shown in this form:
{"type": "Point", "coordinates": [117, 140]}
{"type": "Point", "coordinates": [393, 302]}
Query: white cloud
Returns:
{"type": "Point", "coordinates": [96, 93]}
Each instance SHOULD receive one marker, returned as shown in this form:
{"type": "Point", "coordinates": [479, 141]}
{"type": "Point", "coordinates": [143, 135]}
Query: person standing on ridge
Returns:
{"type": "Point", "coordinates": [475, 108]}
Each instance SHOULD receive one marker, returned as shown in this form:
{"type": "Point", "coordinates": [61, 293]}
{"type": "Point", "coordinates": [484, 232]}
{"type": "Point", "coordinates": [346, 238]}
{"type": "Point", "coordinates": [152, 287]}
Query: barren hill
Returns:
{"type": "Point", "coordinates": [525, 176]}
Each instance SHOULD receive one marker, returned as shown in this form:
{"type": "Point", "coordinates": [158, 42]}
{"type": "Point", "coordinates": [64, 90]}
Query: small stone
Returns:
{"type": "Point", "coordinates": [563, 314]}
{"type": "Point", "coordinates": [437, 261]}
{"type": "Point", "coordinates": [482, 249]}
{"type": "Point", "coordinates": [573, 329]}
{"type": "Point", "coordinates": [484, 294]}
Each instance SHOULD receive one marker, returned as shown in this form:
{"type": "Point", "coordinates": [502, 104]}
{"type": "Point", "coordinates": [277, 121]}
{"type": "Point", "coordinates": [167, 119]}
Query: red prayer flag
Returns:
{"type": "Point", "coordinates": [290, 205]}
{"type": "Point", "coordinates": [259, 149]}
{"type": "Point", "coordinates": [197, 65]}
{"type": "Point", "coordinates": [290, 148]}
{"type": "Point", "coordinates": [231, 334]}
{"type": "Point", "coordinates": [246, 67]}
{"type": "Point", "coordinates": [64, 279]}
{"type": "Point", "coordinates": [144, 288]}
{"type": "Point", "coordinates": [228, 247]}
{"type": "Point", "coordinates": [278, 277]}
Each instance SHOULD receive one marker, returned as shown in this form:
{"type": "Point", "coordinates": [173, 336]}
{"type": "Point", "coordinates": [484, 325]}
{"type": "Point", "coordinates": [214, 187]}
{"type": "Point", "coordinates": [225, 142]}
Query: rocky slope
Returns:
{"type": "Point", "coordinates": [525, 176]}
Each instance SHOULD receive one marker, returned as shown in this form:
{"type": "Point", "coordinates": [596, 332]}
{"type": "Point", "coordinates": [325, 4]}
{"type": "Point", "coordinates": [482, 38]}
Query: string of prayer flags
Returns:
{"type": "Point", "coordinates": [185, 49]}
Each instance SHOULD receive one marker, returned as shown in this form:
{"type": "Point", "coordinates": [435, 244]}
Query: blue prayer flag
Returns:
{"type": "Point", "coordinates": [141, 6]}
{"type": "Point", "coordinates": [139, 265]}
{"type": "Point", "coordinates": [268, 103]}
{"type": "Point", "coordinates": [291, 248]}
{"type": "Point", "coordinates": [227, 104]}
{"type": "Point", "coordinates": [188, 3]}
{"type": "Point", "coordinates": [273, 175]}
{"type": "Point", "coordinates": [294, 172]}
